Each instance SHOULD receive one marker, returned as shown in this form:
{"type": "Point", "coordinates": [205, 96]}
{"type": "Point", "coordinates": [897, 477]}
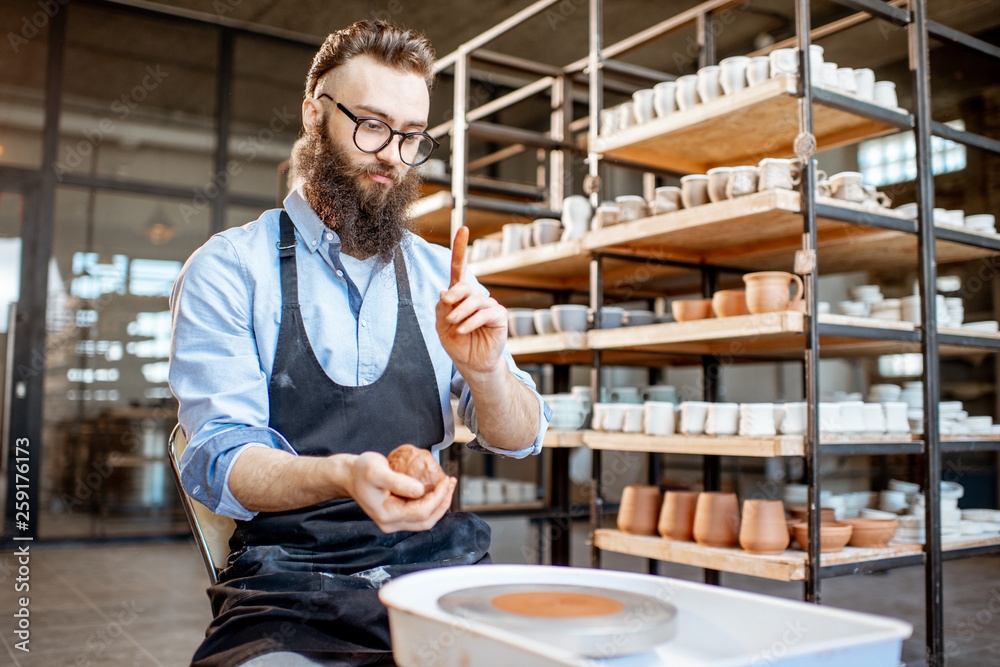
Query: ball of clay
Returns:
{"type": "Point", "coordinates": [417, 463]}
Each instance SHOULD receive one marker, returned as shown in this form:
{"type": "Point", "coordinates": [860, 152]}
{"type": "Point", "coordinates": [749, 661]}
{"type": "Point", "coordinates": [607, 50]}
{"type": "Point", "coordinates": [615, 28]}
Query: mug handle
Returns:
{"type": "Point", "coordinates": [800, 292]}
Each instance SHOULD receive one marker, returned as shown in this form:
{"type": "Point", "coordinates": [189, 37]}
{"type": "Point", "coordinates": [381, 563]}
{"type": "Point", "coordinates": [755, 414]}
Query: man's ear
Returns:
{"type": "Point", "coordinates": [312, 111]}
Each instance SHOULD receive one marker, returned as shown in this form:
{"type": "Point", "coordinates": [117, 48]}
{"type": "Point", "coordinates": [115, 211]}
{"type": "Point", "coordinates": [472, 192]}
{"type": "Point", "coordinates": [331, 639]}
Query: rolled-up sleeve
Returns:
{"type": "Point", "coordinates": [467, 411]}
{"type": "Point", "coordinates": [216, 375]}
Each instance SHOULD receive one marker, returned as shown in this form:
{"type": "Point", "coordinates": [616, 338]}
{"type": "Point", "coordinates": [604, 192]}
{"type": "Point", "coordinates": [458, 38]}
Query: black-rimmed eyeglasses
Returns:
{"type": "Point", "coordinates": [373, 134]}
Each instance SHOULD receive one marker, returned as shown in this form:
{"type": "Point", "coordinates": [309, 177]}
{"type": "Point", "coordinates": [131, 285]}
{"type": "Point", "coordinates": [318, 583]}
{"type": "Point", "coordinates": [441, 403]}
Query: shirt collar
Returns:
{"type": "Point", "coordinates": [308, 224]}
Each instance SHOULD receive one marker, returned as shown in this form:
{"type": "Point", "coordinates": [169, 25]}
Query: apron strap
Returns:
{"type": "Point", "coordinates": [286, 254]}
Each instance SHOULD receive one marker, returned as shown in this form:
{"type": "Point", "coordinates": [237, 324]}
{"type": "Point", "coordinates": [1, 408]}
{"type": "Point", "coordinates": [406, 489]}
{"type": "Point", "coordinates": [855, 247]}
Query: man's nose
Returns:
{"type": "Point", "coordinates": [390, 153]}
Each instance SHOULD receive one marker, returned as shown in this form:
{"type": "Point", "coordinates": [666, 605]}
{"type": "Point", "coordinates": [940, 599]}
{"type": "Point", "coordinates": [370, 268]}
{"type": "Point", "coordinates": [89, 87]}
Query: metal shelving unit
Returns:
{"type": "Point", "coordinates": [705, 248]}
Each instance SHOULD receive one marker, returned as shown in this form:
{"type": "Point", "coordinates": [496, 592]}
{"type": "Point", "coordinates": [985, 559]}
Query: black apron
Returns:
{"type": "Point", "coordinates": [307, 580]}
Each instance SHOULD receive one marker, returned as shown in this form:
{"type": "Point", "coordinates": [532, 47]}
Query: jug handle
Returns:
{"type": "Point", "coordinates": [801, 290]}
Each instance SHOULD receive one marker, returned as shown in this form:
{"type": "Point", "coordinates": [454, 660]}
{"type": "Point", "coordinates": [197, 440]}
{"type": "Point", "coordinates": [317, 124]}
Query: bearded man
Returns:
{"type": "Point", "coordinates": [310, 343]}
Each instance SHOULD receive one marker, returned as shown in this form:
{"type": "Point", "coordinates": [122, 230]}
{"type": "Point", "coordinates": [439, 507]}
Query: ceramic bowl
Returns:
{"type": "Point", "coordinates": [686, 310]}
{"type": "Point", "coordinates": [638, 318]}
{"type": "Point", "coordinates": [871, 532]}
{"type": "Point", "coordinates": [543, 321]}
{"type": "Point", "coordinates": [833, 537]}
{"type": "Point", "coordinates": [569, 317]}
{"type": "Point", "coordinates": [611, 316]}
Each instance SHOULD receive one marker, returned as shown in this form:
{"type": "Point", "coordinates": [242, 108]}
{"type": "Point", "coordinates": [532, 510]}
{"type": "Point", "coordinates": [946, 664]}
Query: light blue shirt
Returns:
{"type": "Point", "coordinates": [226, 307]}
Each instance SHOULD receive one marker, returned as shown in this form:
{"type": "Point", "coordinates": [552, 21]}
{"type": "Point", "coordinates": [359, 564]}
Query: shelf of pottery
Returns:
{"type": "Point", "coordinates": [765, 539]}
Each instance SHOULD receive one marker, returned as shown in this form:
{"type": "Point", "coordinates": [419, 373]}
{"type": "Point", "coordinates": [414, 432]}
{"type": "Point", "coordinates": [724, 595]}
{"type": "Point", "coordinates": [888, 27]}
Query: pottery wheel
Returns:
{"type": "Point", "coordinates": [589, 621]}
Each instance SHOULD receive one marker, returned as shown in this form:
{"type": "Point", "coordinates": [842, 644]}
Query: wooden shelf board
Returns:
{"type": "Point", "coordinates": [735, 129]}
{"type": "Point", "coordinates": [788, 566]}
{"type": "Point", "coordinates": [782, 445]}
{"type": "Point", "coordinates": [560, 439]}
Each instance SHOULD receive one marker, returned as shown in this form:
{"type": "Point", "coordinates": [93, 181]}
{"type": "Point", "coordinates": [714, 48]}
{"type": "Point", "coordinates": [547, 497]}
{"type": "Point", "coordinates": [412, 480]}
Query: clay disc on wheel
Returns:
{"type": "Point", "coordinates": [587, 620]}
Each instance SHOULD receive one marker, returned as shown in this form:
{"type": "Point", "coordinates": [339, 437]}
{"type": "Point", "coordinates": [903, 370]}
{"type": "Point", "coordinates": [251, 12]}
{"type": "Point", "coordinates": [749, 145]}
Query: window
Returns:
{"type": "Point", "coordinates": [893, 159]}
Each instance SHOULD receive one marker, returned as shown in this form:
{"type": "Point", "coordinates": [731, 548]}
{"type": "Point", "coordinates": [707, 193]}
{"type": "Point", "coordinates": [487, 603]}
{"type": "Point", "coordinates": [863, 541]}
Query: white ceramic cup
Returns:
{"type": "Point", "coordinates": [608, 213]}
{"type": "Point", "coordinates": [864, 84]}
{"type": "Point", "coordinates": [609, 121]}
{"type": "Point", "coordinates": [600, 416]}
{"type": "Point", "coordinates": [885, 94]}
{"type": "Point", "coordinates": [543, 321]}
{"type": "Point", "coordinates": [632, 422]}
{"type": "Point", "coordinates": [687, 91]}
{"type": "Point", "coordinates": [743, 181]}
{"type": "Point", "coordinates": [694, 190]}
{"type": "Point", "coordinates": [547, 230]}
{"type": "Point", "coordinates": [794, 421]}
{"type": "Point", "coordinates": [758, 70]}
{"type": "Point", "coordinates": [658, 418]}
{"type": "Point", "coordinates": [783, 61]}
{"type": "Point", "coordinates": [626, 117]}
{"type": "Point", "coordinates": [568, 412]}
{"type": "Point", "coordinates": [852, 417]}
{"type": "Point", "coordinates": [874, 418]}
{"type": "Point", "coordinates": [722, 419]}
{"type": "Point", "coordinates": [473, 491]}
{"type": "Point", "coordinates": [846, 81]}
{"type": "Point", "coordinates": [829, 418]}
{"type": "Point", "coordinates": [666, 198]}
{"type": "Point", "coordinates": [614, 417]}
{"type": "Point", "coordinates": [631, 207]}
{"type": "Point", "coordinates": [511, 237]}
{"type": "Point", "coordinates": [895, 417]}
{"type": "Point", "coordinates": [718, 180]}
{"type": "Point", "coordinates": [848, 185]}
{"type": "Point", "coordinates": [624, 394]}
{"type": "Point", "coordinates": [756, 419]}
{"type": "Point", "coordinates": [733, 76]}
{"type": "Point", "coordinates": [665, 98]}
{"type": "Point", "coordinates": [709, 83]}
{"type": "Point", "coordinates": [693, 416]}
{"type": "Point", "coordinates": [642, 105]}
{"type": "Point", "coordinates": [777, 173]}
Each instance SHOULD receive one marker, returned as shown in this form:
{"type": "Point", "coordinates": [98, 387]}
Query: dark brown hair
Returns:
{"type": "Point", "coordinates": [389, 45]}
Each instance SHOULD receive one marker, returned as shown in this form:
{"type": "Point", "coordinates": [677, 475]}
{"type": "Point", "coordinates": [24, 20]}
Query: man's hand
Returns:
{"type": "Point", "coordinates": [395, 501]}
{"type": "Point", "coordinates": [472, 326]}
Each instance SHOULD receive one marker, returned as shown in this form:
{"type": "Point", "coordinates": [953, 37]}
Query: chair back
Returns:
{"type": "Point", "coordinates": [211, 531]}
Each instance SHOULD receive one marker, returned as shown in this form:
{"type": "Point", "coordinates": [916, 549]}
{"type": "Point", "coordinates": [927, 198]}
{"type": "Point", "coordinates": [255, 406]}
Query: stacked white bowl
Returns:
{"type": "Point", "coordinates": [984, 222]}
{"type": "Point", "coordinates": [884, 393]}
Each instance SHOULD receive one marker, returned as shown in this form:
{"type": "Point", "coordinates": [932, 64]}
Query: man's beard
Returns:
{"type": "Point", "coordinates": [370, 219]}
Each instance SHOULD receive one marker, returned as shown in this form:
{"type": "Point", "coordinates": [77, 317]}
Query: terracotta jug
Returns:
{"type": "Point", "coordinates": [639, 509]}
{"type": "Point", "coordinates": [763, 529]}
{"type": "Point", "coordinates": [677, 515]}
{"type": "Point", "coordinates": [716, 519]}
{"type": "Point", "coordinates": [767, 291]}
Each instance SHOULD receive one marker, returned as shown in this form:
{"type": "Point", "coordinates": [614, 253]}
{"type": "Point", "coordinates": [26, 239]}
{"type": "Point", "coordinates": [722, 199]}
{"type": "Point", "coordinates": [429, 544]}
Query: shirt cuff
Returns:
{"type": "Point", "coordinates": [479, 444]}
{"type": "Point", "coordinates": [228, 505]}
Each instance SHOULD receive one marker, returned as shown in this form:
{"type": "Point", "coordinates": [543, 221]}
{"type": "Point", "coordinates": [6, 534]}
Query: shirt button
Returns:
{"type": "Point", "coordinates": [364, 323]}
{"type": "Point", "coordinates": [196, 488]}
{"type": "Point", "coordinates": [315, 242]}
{"type": "Point", "coordinates": [329, 236]}
{"type": "Point", "coordinates": [340, 274]}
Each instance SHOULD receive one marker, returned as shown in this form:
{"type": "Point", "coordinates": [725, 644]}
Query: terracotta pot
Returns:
{"type": "Point", "coordinates": [730, 303]}
{"type": "Point", "coordinates": [767, 291]}
{"type": "Point", "coordinates": [833, 537]}
{"type": "Point", "coordinates": [639, 510]}
{"type": "Point", "coordinates": [677, 515]}
{"type": "Point", "coordinates": [800, 513]}
{"type": "Point", "coordinates": [763, 529]}
{"type": "Point", "coordinates": [686, 310]}
{"type": "Point", "coordinates": [871, 532]}
{"type": "Point", "coordinates": [717, 519]}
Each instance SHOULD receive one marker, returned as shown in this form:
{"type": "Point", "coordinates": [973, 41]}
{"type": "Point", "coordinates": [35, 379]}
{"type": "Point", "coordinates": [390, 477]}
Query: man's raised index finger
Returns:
{"type": "Point", "coordinates": [458, 255]}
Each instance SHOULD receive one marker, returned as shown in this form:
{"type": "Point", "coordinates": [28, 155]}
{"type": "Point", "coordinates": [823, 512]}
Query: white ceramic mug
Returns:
{"type": "Point", "coordinates": [658, 418]}
{"type": "Point", "coordinates": [693, 416]}
{"type": "Point", "coordinates": [665, 98]}
{"type": "Point", "coordinates": [694, 190]}
{"type": "Point", "coordinates": [609, 121]}
{"type": "Point", "coordinates": [608, 213]}
{"type": "Point", "coordinates": [664, 393]}
{"type": "Point", "coordinates": [626, 117]}
{"type": "Point", "coordinates": [568, 412]}
{"type": "Point", "coordinates": [600, 416]}
{"type": "Point", "coordinates": [847, 185]}
{"type": "Point", "coordinates": [756, 419]}
{"type": "Point", "coordinates": [734, 74]}
{"type": "Point", "coordinates": [687, 91]}
{"type": "Point", "coordinates": [624, 394]}
{"type": "Point", "coordinates": [743, 181]}
{"type": "Point", "coordinates": [829, 418]}
{"type": "Point", "coordinates": [777, 173]}
{"type": "Point", "coordinates": [895, 417]}
{"type": "Point", "coordinates": [631, 207]}
{"type": "Point", "coordinates": [666, 199]}
{"type": "Point", "coordinates": [874, 418]}
{"type": "Point", "coordinates": [722, 419]}
{"type": "Point", "coordinates": [511, 237]}
{"type": "Point", "coordinates": [718, 181]}
{"type": "Point", "coordinates": [783, 61]}
{"type": "Point", "coordinates": [846, 81]}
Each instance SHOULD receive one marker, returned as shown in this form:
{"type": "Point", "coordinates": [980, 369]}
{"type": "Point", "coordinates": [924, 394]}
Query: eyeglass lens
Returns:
{"type": "Point", "coordinates": [372, 135]}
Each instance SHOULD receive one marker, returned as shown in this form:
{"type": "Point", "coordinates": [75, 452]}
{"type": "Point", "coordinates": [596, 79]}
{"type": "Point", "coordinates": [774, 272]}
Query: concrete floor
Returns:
{"type": "Point", "coordinates": [145, 604]}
